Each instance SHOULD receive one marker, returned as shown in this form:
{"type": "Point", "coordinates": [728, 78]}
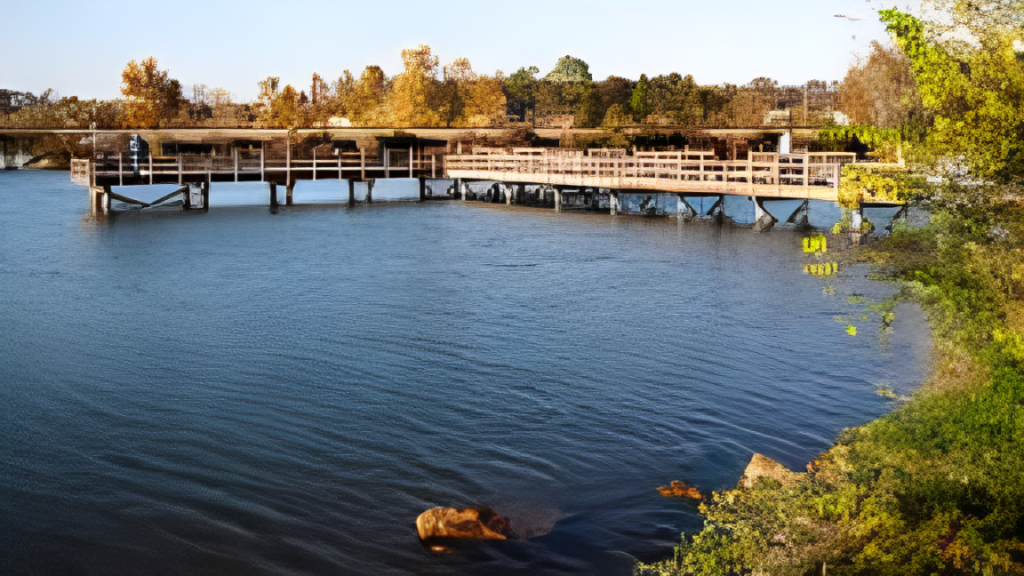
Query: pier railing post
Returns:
{"type": "Point", "coordinates": [181, 168]}
{"type": "Point", "coordinates": [288, 161]}
{"type": "Point", "coordinates": [263, 163]}
{"type": "Point", "coordinates": [234, 154]}
{"type": "Point", "coordinates": [314, 165]}
{"type": "Point", "coordinates": [120, 169]}
{"type": "Point", "coordinates": [150, 168]}
{"type": "Point", "coordinates": [362, 163]}
{"type": "Point", "coordinates": [412, 160]}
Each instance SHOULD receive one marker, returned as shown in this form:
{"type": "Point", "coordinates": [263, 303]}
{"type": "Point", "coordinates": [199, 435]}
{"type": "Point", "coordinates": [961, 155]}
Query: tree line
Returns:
{"type": "Point", "coordinates": [427, 94]}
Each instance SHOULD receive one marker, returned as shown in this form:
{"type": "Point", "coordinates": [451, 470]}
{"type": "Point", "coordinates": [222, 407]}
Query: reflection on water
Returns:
{"type": "Point", "coordinates": [246, 392]}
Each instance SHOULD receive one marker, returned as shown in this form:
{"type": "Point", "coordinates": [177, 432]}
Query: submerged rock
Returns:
{"type": "Point", "coordinates": [681, 490]}
{"type": "Point", "coordinates": [471, 523]}
{"type": "Point", "coordinates": [763, 466]}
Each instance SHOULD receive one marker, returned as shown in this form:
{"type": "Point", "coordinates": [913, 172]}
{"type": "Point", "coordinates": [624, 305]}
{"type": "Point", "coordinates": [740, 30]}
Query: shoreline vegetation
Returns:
{"type": "Point", "coordinates": [937, 485]}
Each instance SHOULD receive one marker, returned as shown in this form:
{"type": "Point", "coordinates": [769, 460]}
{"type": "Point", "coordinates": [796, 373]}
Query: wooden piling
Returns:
{"type": "Point", "coordinates": [423, 189]}
{"type": "Point", "coordinates": [273, 195]}
{"type": "Point", "coordinates": [234, 153]}
{"type": "Point", "coordinates": [288, 194]}
{"type": "Point", "coordinates": [351, 192]}
{"type": "Point", "coordinates": [288, 162]}
{"type": "Point", "coordinates": [369, 191]}
{"type": "Point", "coordinates": [206, 194]}
{"type": "Point", "coordinates": [362, 163]}
{"type": "Point", "coordinates": [314, 165]}
{"type": "Point", "coordinates": [150, 168]}
{"type": "Point", "coordinates": [412, 160]}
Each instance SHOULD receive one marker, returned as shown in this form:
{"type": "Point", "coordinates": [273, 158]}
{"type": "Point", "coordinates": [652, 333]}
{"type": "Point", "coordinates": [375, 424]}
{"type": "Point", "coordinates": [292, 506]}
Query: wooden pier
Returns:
{"type": "Point", "coordinates": [806, 176]}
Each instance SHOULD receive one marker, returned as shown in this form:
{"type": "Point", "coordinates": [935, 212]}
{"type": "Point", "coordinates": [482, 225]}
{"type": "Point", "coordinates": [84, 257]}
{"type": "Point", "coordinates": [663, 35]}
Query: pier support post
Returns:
{"type": "Point", "coordinates": [273, 196]}
{"type": "Point", "coordinates": [106, 200]}
{"type": "Point", "coordinates": [423, 189]}
{"type": "Point", "coordinates": [288, 194]}
{"type": "Point", "coordinates": [461, 187]}
{"type": "Point", "coordinates": [369, 191]}
{"type": "Point", "coordinates": [613, 202]}
{"type": "Point", "coordinates": [351, 192]}
{"type": "Point", "coordinates": [763, 221]}
{"type": "Point", "coordinates": [558, 199]}
{"type": "Point", "coordinates": [509, 190]}
{"type": "Point", "coordinates": [206, 196]}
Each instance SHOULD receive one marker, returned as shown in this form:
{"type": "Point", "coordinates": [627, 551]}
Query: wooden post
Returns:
{"type": "Point", "coordinates": [807, 171]}
{"type": "Point", "coordinates": [206, 194]}
{"type": "Point", "coordinates": [120, 169]}
{"type": "Point", "coordinates": [263, 163]}
{"type": "Point", "coordinates": [412, 160]}
{"type": "Point", "coordinates": [314, 165]}
{"type": "Point", "coordinates": [288, 194]}
{"type": "Point", "coordinates": [180, 168]}
{"type": "Point", "coordinates": [362, 163]}
{"type": "Point", "coordinates": [369, 191]}
{"type": "Point", "coordinates": [106, 200]}
{"type": "Point", "coordinates": [433, 166]}
{"type": "Point", "coordinates": [750, 172]}
{"type": "Point", "coordinates": [288, 161]}
{"type": "Point", "coordinates": [351, 192]}
{"type": "Point", "coordinates": [234, 154]}
{"type": "Point", "coordinates": [273, 195]}
{"type": "Point", "coordinates": [339, 164]}
{"type": "Point", "coordinates": [150, 168]}
{"type": "Point", "coordinates": [387, 163]}
{"type": "Point", "coordinates": [423, 189]}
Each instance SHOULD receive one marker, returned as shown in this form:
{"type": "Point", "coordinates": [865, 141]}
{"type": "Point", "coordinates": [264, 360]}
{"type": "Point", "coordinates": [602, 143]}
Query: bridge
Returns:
{"type": "Point", "coordinates": [555, 173]}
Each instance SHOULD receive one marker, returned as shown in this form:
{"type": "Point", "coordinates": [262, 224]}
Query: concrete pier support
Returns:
{"type": "Point", "coordinates": [763, 221]}
{"type": "Point", "coordinates": [369, 191]}
{"type": "Point", "coordinates": [801, 217]}
{"type": "Point", "coordinates": [273, 196]}
{"type": "Point", "coordinates": [462, 188]}
{"type": "Point", "coordinates": [613, 202]}
{"type": "Point", "coordinates": [558, 199]}
{"type": "Point", "coordinates": [423, 189]}
{"type": "Point", "coordinates": [351, 192]}
{"type": "Point", "coordinates": [206, 196]}
{"type": "Point", "coordinates": [686, 211]}
{"type": "Point", "coordinates": [106, 200]}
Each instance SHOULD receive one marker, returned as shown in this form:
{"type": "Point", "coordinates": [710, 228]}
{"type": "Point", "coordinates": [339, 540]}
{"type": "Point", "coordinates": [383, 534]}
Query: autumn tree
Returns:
{"type": "Point", "coordinates": [675, 97]}
{"type": "Point", "coordinates": [881, 90]}
{"type": "Point", "coordinates": [151, 96]}
{"type": "Point", "coordinates": [415, 96]}
{"type": "Point", "coordinates": [366, 101]}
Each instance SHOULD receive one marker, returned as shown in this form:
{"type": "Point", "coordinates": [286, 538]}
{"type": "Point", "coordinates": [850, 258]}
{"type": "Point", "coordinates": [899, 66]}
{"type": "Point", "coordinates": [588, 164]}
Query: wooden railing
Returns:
{"type": "Point", "coordinates": [244, 162]}
{"type": "Point", "coordinates": [807, 175]}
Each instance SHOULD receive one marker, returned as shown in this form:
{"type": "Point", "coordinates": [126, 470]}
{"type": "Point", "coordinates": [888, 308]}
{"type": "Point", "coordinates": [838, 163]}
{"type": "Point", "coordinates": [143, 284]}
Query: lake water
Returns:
{"type": "Point", "coordinates": [240, 392]}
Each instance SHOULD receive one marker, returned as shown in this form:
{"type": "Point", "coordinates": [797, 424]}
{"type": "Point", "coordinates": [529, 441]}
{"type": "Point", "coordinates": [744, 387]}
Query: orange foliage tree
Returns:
{"type": "Point", "coordinates": [151, 95]}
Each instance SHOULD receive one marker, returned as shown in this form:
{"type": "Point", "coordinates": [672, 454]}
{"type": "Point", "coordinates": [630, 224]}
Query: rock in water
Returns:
{"type": "Point", "coordinates": [680, 489]}
{"type": "Point", "coordinates": [474, 523]}
{"type": "Point", "coordinates": [761, 465]}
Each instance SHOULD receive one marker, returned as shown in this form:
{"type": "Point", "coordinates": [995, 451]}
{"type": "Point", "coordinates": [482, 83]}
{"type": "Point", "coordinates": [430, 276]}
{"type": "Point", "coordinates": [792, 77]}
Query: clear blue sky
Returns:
{"type": "Point", "coordinates": [79, 47]}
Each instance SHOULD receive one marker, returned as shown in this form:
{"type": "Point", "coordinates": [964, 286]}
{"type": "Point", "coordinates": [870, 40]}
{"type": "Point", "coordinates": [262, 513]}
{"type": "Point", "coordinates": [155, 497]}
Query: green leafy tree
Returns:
{"type": "Point", "coordinates": [569, 69]}
{"type": "Point", "coordinates": [639, 102]}
{"type": "Point", "coordinates": [521, 92]}
{"type": "Point", "coordinates": [977, 98]}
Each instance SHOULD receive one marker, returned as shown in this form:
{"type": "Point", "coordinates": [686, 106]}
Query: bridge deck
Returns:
{"type": "Point", "coordinates": [813, 176]}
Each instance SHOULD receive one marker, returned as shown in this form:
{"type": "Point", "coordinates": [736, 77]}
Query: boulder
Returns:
{"type": "Point", "coordinates": [761, 465]}
{"type": "Point", "coordinates": [681, 490]}
{"type": "Point", "coordinates": [472, 523]}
